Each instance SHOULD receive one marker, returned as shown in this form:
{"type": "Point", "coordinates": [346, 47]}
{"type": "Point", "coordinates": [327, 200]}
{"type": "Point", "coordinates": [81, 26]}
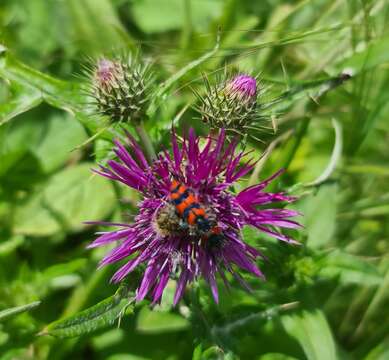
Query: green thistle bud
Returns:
{"type": "Point", "coordinates": [232, 105]}
{"type": "Point", "coordinates": [121, 89]}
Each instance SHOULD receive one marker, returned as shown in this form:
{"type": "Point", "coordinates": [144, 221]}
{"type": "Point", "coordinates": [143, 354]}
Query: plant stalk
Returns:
{"type": "Point", "coordinates": [146, 141]}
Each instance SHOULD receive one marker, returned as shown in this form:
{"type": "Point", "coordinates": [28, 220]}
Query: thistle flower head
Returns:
{"type": "Point", "coordinates": [242, 87]}
{"type": "Point", "coordinates": [231, 105]}
{"type": "Point", "coordinates": [189, 220]}
{"type": "Point", "coordinates": [121, 88]}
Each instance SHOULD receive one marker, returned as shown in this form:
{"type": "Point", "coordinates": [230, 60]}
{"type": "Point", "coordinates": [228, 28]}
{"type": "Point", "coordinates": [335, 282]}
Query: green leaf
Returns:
{"type": "Point", "coordinates": [380, 352]}
{"type": "Point", "coordinates": [311, 330]}
{"type": "Point", "coordinates": [96, 317]}
{"type": "Point", "coordinates": [4, 314]}
{"type": "Point", "coordinates": [63, 269]}
{"type": "Point", "coordinates": [126, 357]}
{"type": "Point", "coordinates": [4, 337]}
{"type": "Point", "coordinates": [89, 17]}
{"type": "Point", "coordinates": [163, 15]}
{"type": "Point", "coordinates": [18, 353]}
{"type": "Point", "coordinates": [276, 356]}
{"type": "Point", "coordinates": [21, 99]}
{"type": "Point", "coordinates": [34, 219]}
{"type": "Point", "coordinates": [65, 95]}
{"type": "Point", "coordinates": [349, 269]}
{"type": "Point", "coordinates": [17, 140]}
{"type": "Point", "coordinates": [71, 197]}
{"type": "Point", "coordinates": [108, 338]}
{"type": "Point", "coordinates": [156, 322]}
{"type": "Point", "coordinates": [320, 216]}
{"type": "Point", "coordinates": [7, 247]}
{"type": "Point", "coordinates": [29, 138]}
{"type": "Point", "coordinates": [52, 153]}
{"type": "Point", "coordinates": [197, 352]}
{"type": "Point", "coordinates": [57, 92]}
{"type": "Point", "coordinates": [213, 353]}
{"type": "Point", "coordinates": [335, 156]}
{"type": "Point", "coordinates": [376, 53]}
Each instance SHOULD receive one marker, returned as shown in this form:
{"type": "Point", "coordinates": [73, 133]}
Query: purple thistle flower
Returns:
{"type": "Point", "coordinates": [243, 87]}
{"type": "Point", "coordinates": [158, 239]}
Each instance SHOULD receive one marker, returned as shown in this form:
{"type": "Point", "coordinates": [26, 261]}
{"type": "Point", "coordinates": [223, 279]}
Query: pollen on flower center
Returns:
{"type": "Point", "coordinates": [167, 222]}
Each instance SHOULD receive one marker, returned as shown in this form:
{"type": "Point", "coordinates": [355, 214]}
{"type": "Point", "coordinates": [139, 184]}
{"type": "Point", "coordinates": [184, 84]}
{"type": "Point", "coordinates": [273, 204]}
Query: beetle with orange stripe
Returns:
{"type": "Point", "coordinates": [191, 212]}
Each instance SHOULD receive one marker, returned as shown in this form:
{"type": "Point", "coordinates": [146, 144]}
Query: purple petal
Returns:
{"type": "Point", "coordinates": [138, 151]}
{"type": "Point", "coordinates": [160, 287]}
{"type": "Point", "coordinates": [110, 237]}
{"type": "Point", "coordinates": [126, 269]}
{"type": "Point", "coordinates": [180, 287]}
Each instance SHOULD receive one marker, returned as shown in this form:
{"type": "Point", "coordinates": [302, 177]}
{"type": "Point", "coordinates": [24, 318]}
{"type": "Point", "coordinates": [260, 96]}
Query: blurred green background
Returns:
{"type": "Point", "coordinates": [327, 299]}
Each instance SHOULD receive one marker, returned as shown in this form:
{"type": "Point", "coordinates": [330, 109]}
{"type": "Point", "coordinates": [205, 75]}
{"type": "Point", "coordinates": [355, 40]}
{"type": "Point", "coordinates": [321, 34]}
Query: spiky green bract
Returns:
{"type": "Point", "coordinates": [122, 88]}
{"type": "Point", "coordinates": [231, 104]}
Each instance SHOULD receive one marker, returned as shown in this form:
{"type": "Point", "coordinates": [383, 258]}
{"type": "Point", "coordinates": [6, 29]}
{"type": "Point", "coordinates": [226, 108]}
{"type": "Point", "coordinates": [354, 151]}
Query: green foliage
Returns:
{"type": "Point", "coordinates": [96, 317]}
{"type": "Point", "coordinates": [325, 299]}
{"type": "Point", "coordinates": [4, 314]}
{"type": "Point", "coordinates": [155, 322]}
{"type": "Point", "coordinates": [312, 332]}
{"type": "Point", "coordinates": [68, 199]}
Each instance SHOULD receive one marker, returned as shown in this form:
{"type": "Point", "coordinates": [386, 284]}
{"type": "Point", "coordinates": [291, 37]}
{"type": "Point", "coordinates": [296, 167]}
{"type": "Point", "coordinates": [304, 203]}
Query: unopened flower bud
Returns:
{"type": "Point", "coordinates": [121, 89]}
{"type": "Point", "coordinates": [232, 105]}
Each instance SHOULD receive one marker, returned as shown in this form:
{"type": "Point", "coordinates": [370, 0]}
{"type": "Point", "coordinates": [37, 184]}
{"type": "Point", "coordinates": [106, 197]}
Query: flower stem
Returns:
{"type": "Point", "coordinates": [187, 28]}
{"type": "Point", "coordinates": [148, 145]}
